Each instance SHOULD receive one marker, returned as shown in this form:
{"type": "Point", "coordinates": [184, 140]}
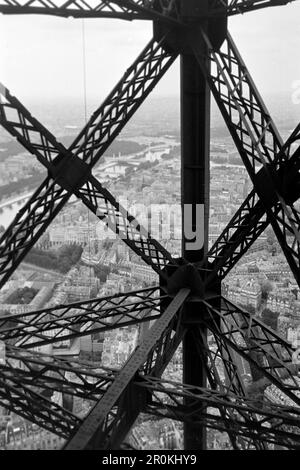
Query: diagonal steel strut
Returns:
{"type": "Point", "coordinates": [235, 7]}
{"type": "Point", "coordinates": [250, 338]}
{"type": "Point", "coordinates": [247, 224]}
{"type": "Point", "coordinates": [119, 9]}
{"type": "Point", "coordinates": [94, 428]}
{"type": "Point", "coordinates": [69, 170]}
{"type": "Point", "coordinates": [62, 322]}
{"type": "Point", "coordinates": [257, 140]}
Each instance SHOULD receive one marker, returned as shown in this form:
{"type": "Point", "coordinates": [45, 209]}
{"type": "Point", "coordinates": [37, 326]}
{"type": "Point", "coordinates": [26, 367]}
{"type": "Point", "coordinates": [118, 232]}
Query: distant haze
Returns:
{"type": "Point", "coordinates": [41, 62]}
{"type": "Point", "coordinates": [41, 56]}
{"type": "Point", "coordinates": [158, 116]}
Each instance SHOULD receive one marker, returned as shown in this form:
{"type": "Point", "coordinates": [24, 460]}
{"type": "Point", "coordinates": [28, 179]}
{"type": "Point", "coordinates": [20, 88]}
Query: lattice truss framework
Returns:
{"type": "Point", "coordinates": [117, 397]}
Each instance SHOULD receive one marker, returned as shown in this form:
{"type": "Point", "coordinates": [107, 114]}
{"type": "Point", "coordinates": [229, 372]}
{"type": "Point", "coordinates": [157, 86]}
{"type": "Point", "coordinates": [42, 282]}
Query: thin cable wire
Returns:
{"type": "Point", "coordinates": [85, 118]}
{"type": "Point", "coordinates": [84, 69]}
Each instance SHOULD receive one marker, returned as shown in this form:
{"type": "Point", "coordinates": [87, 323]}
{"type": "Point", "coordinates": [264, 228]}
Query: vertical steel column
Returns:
{"type": "Point", "coordinates": [195, 137]}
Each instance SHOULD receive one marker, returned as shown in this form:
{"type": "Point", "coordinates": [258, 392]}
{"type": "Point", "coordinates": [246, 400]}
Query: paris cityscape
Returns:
{"type": "Point", "coordinates": [149, 229]}
{"type": "Point", "coordinates": [78, 258]}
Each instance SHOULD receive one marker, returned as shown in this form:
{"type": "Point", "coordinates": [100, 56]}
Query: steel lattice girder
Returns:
{"type": "Point", "coordinates": [235, 7]}
{"type": "Point", "coordinates": [247, 224]}
{"type": "Point", "coordinates": [32, 406]}
{"type": "Point", "coordinates": [236, 385]}
{"type": "Point", "coordinates": [163, 350]}
{"type": "Point", "coordinates": [257, 140]}
{"type": "Point", "coordinates": [238, 428]}
{"type": "Point", "coordinates": [84, 153]}
{"type": "Point", "coordinates": [274, 424]}
{"type": "Point", "coordinates": [211, 360]}
{"type": "Point", "coordinates": [69, 321]}
{"type": "Point", "coordinates": [47, 372]}
{"type": "Point", "coordinates": [167, 11]}
{"type": "Point", "coordinates": [113, 426]}
{"type": "Point", "coordinates": [251, 339]}
{"type": "Point", "coordinates": [98, 429]}
{"type": "Point", "coordinates": [159, 353]}
{"type": "Point", "coordinates": [119, 9]}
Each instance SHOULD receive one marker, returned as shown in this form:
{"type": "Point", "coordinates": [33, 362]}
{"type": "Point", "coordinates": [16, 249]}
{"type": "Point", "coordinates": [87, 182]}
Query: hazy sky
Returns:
{"type": "Point", "coordinates": [41, 56]}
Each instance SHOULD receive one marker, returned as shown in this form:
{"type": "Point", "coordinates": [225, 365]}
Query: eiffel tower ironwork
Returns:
{"type": "Point", "coordinates": [187, 307]}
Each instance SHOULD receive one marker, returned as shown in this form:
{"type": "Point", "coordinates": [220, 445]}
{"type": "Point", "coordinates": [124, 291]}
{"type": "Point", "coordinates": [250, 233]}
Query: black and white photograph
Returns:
{"type": "Point", "coordinates": [149, 228]}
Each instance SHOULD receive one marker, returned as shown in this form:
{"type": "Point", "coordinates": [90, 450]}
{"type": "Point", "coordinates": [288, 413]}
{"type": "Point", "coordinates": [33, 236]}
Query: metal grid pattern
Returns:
{"type": "Point", "coordinates": [121, 395]}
